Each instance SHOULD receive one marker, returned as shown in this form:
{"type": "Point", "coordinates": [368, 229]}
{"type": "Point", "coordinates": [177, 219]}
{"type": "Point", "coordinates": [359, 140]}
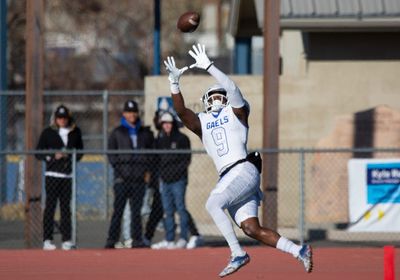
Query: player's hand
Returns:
{"type": "Point", "coordinates": [199, 54]}
{"type": "Point", "coordinates": [173, 72]}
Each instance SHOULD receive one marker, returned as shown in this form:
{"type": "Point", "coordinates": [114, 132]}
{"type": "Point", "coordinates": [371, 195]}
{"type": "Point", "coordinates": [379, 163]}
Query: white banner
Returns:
{"type": "Point", "coordinates": [374, 195]}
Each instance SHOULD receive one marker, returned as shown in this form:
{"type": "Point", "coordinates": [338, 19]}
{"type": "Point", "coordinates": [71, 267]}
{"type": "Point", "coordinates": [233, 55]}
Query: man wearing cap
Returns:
{"type": "Point", "coordinates": [131, 172]}
{"type": "Point", "coordinates": [62, 134]}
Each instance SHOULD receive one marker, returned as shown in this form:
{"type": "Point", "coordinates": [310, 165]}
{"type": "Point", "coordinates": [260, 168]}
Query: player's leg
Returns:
{"type": "Point", "coordinates": [215, 206]}
{"type": "Point", "coordinates": [251, 227]}
{"type": "Point", "coordinates": [231, 190]}
{"type": "Point", "coordinates": [247, 216]}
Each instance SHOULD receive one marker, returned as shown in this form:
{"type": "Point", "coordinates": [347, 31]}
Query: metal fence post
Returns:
{"type": "Point", "coordinates": [105, 146]}
{"type": "Point", "coordinates": [3, 100]}
{"type": "Point", "coordinates": [74, 196]}
{"type": "Point", "coordinates": [301, 194]}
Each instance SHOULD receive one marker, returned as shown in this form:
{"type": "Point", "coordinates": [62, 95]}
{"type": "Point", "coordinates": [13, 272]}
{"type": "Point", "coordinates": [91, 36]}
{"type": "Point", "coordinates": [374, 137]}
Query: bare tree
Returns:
{"type": "Point", "coordinates": [97, 44]}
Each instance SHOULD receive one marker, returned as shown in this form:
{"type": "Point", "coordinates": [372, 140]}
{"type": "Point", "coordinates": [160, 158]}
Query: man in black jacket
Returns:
{"type": "Point", "coordinates": [62, 134]}
{"type": "Point", "coordinates": [131, 172]}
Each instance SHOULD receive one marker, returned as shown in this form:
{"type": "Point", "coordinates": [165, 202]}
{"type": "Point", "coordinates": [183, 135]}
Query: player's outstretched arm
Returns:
{"type": "Point", "coordinates": [188, 117]}
{"type": "Point", "coordinates": [234, 95]}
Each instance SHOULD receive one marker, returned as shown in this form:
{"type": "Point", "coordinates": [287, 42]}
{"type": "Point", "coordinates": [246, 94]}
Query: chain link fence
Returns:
{"type": "Point", "coordinates": [313, 197]}
{"type": "Point", "coordinates": [313, 200]}
{"type": "Point", "coordinates": [93, 111]}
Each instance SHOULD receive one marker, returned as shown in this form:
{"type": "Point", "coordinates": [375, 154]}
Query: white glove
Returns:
{"type": "Point", "coordinates": [199, 54]}
{"type": "Point", "coordinates": [173, 74]}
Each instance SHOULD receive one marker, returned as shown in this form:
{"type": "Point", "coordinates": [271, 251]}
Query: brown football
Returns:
{"type": "Point", "coordinates": [188, 22]}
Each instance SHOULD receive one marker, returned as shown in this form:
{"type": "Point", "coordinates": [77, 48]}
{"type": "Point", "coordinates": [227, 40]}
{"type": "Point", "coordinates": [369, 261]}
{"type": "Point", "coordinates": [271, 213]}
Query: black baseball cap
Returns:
{"type": "Point", "coordinates": [62, 112]}
{"type": "Point", "coordinates": [131, 106]}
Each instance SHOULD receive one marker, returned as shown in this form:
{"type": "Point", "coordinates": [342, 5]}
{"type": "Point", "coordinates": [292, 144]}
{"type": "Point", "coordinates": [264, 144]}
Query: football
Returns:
{"type": "Point", "coordinates": [188, 22]}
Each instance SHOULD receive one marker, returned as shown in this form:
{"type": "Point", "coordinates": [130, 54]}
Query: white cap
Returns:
{"type": "Point", "coordinates": [166, 117]}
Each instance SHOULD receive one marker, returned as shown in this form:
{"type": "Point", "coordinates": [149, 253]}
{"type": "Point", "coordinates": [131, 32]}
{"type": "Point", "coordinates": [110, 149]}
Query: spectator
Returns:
{"type": "Point", "coordinates": [131, 172]}
{"type": "Point", "coordinates": [156, 213]}
{"type": "Point", "coordinates": [62, 134]}
{"type": "Point", "coordinates": [173, 169]}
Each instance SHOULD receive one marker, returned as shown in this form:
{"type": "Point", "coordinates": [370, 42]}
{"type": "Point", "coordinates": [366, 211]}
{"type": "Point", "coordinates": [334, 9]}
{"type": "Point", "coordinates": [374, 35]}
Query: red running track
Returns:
{"type": "Point", "coordinates": [203, 263]}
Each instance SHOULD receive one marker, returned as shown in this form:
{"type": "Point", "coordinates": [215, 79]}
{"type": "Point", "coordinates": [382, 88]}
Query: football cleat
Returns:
{"type": "Point", "coordinates": [234, 264]}
{"type": "Point", "coordinates": [305, 256]}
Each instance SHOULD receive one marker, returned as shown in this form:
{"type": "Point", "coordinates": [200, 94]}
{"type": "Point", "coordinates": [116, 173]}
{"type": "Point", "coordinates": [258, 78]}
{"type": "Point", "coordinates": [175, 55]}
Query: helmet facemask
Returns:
{"type": "Point", "coordinates": [214, 101]}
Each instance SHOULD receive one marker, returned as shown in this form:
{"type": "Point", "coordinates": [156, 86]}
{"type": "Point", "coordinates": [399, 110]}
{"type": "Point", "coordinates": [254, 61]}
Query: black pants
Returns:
{"type": "Point", "coordinates": [57, 189]}
{"type": "Point", "coordinates": [132, 190]}
{"type": "Point", "coordinates": [157, 213]}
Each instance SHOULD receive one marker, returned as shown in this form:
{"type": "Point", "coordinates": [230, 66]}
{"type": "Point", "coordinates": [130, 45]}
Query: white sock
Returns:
{"type": "Point", "coordinates": [225, 227]}
{"type": "Point", "coordinates": [236, 249]}
{"type": "Point", "coordinates": [288, 246]}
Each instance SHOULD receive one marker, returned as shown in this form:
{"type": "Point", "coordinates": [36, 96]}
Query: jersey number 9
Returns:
{"type": "Point", "coordinates": [220, 139]}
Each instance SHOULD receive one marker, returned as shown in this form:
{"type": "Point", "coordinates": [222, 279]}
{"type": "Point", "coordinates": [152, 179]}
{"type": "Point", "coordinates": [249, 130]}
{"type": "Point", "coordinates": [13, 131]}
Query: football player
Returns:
{"type": "Point", "coordinates": [223, 129]}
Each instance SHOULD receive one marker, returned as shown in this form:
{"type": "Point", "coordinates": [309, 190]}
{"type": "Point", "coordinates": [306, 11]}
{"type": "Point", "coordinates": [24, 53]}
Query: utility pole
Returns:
{"type": "Point", "coordinates": [157, 38]}
{"type": "Point", "coordinates": [3, 100]}
{"type": "Point", "coordinates": [33, 119]}
{"type": "Point", "coordinates": [271, 111]}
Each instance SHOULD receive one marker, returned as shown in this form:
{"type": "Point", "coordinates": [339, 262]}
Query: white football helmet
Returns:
{"type": "Point", "coordinates": [215, 99]}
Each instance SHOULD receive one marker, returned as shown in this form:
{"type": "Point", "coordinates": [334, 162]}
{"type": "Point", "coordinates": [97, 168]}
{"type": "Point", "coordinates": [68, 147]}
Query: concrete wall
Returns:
{"type": "Point", "coordinates": [308, 105]}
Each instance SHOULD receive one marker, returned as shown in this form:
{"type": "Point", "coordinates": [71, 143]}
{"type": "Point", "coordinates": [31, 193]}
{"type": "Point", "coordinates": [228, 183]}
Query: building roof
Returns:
{"type": "Point", "coordinates": [359, 9]}
{"type": "Point", "coordinates": [318, 15]}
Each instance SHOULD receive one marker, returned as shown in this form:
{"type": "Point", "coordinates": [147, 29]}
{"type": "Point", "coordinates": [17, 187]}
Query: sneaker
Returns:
{"type": "Point", "coordinates": [195, 241]}
{"type": "Point", "coordinates": [234, 264]}
{"type": "Point", "coordinates": [180, 244]}
{"type": "Point", "coordinates": [68, 245]}
{"type": "Point", "coordinates": [305, 256]}
{"type": "Point", "coordinates": [128, 243]}
{"type": "Point", "coordinates": [118, 245]}
{"type": "Point", "coordinates": [163, 245]}
{"type": "Point", "coordinates": [48, 245]}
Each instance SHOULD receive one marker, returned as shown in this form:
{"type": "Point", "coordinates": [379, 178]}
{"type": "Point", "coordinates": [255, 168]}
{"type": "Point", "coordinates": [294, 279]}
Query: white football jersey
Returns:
{"type": "Point", "coordinates": [224, 137]}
